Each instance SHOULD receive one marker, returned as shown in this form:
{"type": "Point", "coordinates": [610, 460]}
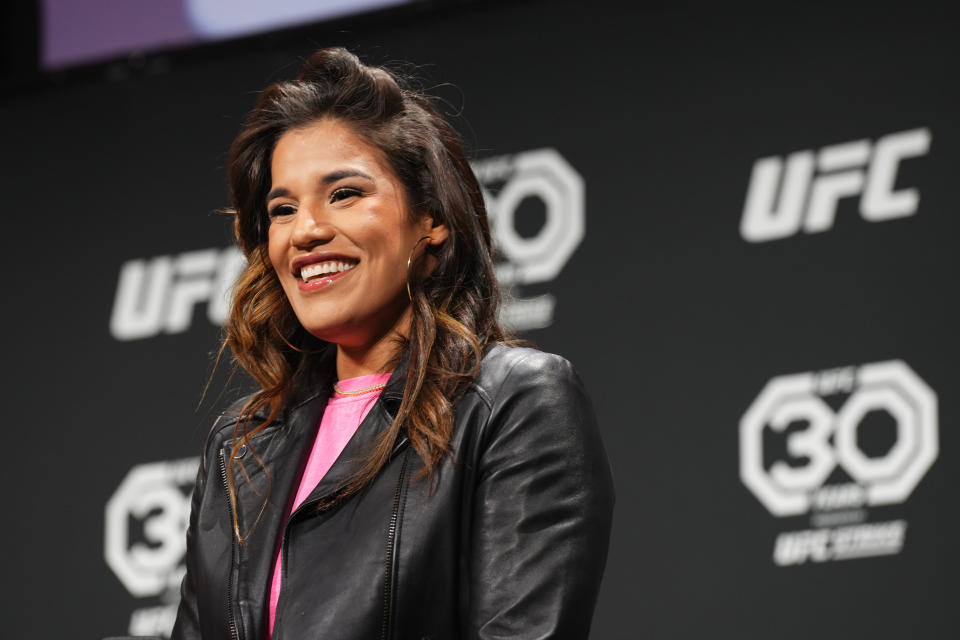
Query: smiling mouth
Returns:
{"type": "Point", "coordinates": [315, 271]}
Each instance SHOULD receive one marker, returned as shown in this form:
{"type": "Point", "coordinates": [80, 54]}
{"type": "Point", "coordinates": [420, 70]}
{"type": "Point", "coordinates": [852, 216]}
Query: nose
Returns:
{"type": "Point", "coordinates": [311, 228]}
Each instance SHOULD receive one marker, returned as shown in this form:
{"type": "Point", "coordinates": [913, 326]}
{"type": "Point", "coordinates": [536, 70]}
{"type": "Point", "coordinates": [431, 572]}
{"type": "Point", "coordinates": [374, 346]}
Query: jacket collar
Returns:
{"type": "Point", "coordinates": [286, 455]}
{"type": "Point", "coordinates": [361, 444]}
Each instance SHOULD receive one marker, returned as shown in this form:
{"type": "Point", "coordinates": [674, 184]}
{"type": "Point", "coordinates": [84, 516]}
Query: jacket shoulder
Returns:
{"type": "Point", "coordinates": [521, 364]}
{"type": "Point", "coordinates": [233, 410]}
{"type": "Point", "coordinates": [504, 368]}
{"type": "Point", "coordinates": [222, 427]}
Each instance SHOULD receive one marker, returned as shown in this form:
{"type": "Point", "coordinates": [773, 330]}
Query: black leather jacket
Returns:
{"type": "Point", "coordinates": [510, 542]}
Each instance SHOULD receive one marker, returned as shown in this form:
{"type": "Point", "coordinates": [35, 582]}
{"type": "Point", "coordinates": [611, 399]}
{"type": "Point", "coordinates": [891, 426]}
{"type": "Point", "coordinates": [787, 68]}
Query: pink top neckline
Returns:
{"type": "Point", "coordinates": [358, 383]}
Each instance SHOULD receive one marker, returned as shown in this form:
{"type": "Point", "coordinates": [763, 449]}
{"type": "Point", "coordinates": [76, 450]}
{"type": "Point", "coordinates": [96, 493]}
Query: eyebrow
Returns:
{"type": "Point", "coordinates": [330, 178]}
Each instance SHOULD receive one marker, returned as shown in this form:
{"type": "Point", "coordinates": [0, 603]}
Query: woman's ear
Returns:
{"type": "Point", "coordinates": [438, 232]}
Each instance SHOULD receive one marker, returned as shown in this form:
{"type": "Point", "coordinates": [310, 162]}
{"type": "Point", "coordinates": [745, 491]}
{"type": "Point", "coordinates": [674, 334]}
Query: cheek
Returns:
{"type": "Point", "coordinates": [275, 249]}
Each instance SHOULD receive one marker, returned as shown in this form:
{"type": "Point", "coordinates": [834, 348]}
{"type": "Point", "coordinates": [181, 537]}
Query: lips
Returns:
{"type": "Point", "coordinates": [317, 268]}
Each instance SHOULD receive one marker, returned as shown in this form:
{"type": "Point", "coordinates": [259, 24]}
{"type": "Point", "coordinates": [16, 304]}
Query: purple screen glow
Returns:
{"type": "Point", "coordinates": [95, 30]}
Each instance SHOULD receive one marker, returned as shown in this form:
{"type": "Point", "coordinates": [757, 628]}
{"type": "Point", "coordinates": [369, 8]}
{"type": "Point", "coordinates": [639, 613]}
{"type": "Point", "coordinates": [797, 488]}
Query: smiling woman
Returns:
{"type": "Point", "coordinates": [404, 471]}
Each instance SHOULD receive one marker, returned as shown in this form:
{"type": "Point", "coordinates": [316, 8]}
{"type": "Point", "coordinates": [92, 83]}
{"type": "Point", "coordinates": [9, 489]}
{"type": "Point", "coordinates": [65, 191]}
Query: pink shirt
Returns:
{"type": "Point", "coordinates": [341, 418]}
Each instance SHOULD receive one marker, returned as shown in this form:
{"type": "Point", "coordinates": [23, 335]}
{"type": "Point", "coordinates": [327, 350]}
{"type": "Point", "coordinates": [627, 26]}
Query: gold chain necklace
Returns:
{"type": "Point", "coordinates": [359, 392]}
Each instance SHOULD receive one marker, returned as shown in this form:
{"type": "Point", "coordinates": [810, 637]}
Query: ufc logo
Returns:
{"type": "Point", "coordinates": [158, 295]}
{"type": "Point", "coordinates": [801, 193]}
{"type": "Point", "coordinates": [545, 175]}
{"type": "Point", "coordinates": [830, 438]}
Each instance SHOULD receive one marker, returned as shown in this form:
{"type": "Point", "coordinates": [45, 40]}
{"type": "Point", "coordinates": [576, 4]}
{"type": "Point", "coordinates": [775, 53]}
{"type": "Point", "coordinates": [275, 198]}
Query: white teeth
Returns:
{"type": "Point", "coordinates": [318, 269]}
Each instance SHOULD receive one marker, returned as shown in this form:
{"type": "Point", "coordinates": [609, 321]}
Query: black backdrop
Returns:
{"type": "Point", "coordinates": [675, 320]}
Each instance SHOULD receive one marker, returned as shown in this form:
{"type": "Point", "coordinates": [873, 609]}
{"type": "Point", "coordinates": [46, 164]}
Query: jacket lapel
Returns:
{"type": "Point", "coordinates": [284, 451]}
{"type": "Point", "coordinates": [360, 445]}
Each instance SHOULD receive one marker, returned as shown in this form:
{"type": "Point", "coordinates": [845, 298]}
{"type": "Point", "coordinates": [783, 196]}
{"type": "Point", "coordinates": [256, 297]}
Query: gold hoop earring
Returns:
{"type": "Point", "coordinates": [410, 261]}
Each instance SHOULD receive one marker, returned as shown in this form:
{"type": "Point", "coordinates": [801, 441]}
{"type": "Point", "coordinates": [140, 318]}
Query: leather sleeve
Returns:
{"type": "Point", "coordinates": [187, 625]}
{"type": "Point", "coordinates": [542, 510]}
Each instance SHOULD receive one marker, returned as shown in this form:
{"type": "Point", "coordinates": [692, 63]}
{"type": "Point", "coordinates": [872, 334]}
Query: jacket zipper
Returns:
{"type": "Point", "coordinates": [391, 549]}
{"type": "Point", "coordinates": [234, 632]}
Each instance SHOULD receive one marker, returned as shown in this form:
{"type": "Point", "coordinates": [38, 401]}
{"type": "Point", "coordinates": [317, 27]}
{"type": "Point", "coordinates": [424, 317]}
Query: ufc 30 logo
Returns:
{"type": "Point", "coordinates": [541, 174]}
{"type": "Point", "coordinates": [146, 521]}
{"type": "Point", "coordinates": [811, 183]}
{"type": "Point", "coordinates": [829, 438]}
{"type": "Point", "coordinates": [158, 295]}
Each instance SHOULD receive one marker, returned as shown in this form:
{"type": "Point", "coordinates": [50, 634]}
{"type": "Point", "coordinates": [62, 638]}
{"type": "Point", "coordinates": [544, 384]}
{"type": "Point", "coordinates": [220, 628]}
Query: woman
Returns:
{"type": "Point", "coordinates": [403, 471]}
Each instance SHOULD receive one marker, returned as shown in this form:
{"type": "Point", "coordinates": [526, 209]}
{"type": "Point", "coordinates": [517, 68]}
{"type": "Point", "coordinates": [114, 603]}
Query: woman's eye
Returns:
{"type": "Point", "coordinates": [343, 193]}
{"type": "Point", "coordinates": [282, 210]}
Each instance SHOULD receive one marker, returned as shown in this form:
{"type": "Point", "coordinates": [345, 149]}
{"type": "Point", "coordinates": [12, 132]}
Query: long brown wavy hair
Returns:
{"type": "Point", "coordinates": [454, 306]}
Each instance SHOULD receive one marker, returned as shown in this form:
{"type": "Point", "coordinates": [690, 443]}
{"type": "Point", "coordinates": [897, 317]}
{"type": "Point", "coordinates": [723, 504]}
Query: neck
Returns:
{"type": "Point", "coordinates": [377, 356]}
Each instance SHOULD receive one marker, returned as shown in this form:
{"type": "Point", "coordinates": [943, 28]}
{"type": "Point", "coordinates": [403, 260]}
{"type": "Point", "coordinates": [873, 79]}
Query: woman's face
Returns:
{"type": "Point", "coordinates": [340, 234]}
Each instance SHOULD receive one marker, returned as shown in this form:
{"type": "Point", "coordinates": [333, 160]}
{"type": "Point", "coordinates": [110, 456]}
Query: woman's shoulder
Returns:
{"type": "Point", "coordinates": [504, 356]}
{"type": "Point", "coordinates": [505, 368]}
{"type": "Point", "coordinates": [537, 403]}
{"type": "Point", "coordinates": [234, 409]}
{"type": "Point", "coordinates": [223, 425]}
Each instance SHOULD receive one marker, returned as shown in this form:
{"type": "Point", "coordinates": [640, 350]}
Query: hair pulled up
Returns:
{"type": "Point", "coordinates": [454, 307]}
